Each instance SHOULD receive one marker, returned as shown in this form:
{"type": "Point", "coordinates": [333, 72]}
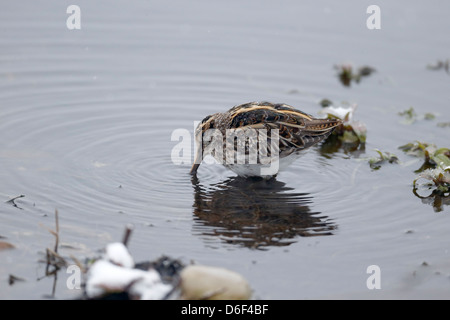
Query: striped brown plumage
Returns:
{"type": "Point", "coordinates": [298, 130]}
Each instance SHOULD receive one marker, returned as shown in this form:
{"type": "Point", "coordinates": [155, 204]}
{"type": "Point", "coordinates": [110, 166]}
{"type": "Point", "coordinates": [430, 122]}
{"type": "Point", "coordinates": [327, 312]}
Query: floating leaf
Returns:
{"type": "Point", "coordinates": [346, 74]}
{"type": "Point", "coordinates": [325, 103]}
{"type": "Point", "coordinates": [440, 64]}
{"type": "Point", "coordinates": [440, 176]}
{"type": "Point", "coordinates": [443, 124]}
{"type": "Point", "coordinates": [375, 163]}
{"type": "Point", "coordinates": [440, 159]}
{"type": "Point", "coordinates": [349, 137]}
{"type": "Point", "coordinates": [416, 149]}
{"type": "Point", "coordinates": [350, 133]}
{"type": "Point", "coordinates": [366, 71]}
{"type": "Point", "coordinates": [410, 116]}
{"type": "Point", "coordinates": [439, 182]}
{"type": "Point", "coordinates": [360, 130]}
{"type": "Point", "coordinates": [431, 154]}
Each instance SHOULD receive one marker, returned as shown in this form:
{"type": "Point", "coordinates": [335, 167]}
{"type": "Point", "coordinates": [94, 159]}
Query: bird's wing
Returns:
{"type": "Point", "coordinates": [297, 130]}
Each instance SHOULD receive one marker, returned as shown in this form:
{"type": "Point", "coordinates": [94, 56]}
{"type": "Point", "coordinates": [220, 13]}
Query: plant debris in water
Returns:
{"type": "Point", "coordinates": [438, 183]}
{"type": "Point", "coordinates": [347, 73]}
{"type": "Point", "coordinates": [325, 103]}
{"type": "Point", "coordinates": [440, 64]}
{"type": "Point", "coordinates": [429, 116]}
{"type": "Point", "coordinates": [11, 201]}
{"type": "Point", "coordinates": [432, 155]}
{"type": "Point", "coordinates": [351, 131]}
{"type": "Point", "coordinates": [443, 124]}
{"type": "Point", "coordinates": [410, 116]}
{"type": "Point", "coordinates": [440, 178]}
{"type": "Point", "coordinates": [376, 162]}
{"type": "Point", "coordinates": [6, 245]}
{"type": "Point", "coordinates": [115, 275]}
{"type": "Point", "coordinates": [435, 169]}
{"type": "Point", "coordinates": [13, 279]}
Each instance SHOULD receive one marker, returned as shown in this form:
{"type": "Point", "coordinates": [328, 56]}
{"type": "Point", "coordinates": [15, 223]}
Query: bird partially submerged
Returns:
{"type": "Point", "coordinates": [259, 138]}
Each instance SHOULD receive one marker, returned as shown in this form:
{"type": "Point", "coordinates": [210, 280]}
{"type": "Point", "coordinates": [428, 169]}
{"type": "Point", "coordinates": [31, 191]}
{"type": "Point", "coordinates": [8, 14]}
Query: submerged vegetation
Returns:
{"type": "Point", "coordinates": [440, 178]}
{"type": "Point", "coordinates": [440, 65]}
{"type": "Point", "coordinates": [351, 135]}
{"type": "Point", "coordinates": [435, 169]}
{"type": "Point", "coordinates": [430, 153]}
{"type": "Point", "coordinates": [438, 183]}
{"type": "Point", "coordinates": [376, 162]}
{"type": "Point", "coordinates": [443, 124]}
{"type": "Point", "coordinates": [410, 116]}
{"type": "Point", "coordinates": [348, 74]}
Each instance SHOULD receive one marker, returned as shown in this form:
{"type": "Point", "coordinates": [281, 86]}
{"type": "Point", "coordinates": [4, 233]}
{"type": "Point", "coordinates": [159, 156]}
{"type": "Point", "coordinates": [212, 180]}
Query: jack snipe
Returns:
{"type": "Point", "coordinates": [269, 137]}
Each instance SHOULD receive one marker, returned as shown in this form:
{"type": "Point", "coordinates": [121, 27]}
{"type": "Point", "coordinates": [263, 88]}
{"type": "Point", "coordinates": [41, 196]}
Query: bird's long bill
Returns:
{"type": "Point", "coordinates": [197, 160]}
{"type": "Point", "coordinates": [194, 168]}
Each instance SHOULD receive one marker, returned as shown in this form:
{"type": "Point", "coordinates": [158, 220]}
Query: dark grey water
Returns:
{"type": "Point", "coordinates": [86, 118]}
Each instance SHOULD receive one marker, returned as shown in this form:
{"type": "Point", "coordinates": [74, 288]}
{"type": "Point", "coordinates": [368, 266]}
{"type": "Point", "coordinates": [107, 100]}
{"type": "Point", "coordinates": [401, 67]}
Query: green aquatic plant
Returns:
{"type": "Point", "coordinates": [443, 124]}
{"type": "Point", "coordinates": [435, 169]}
{"type": "Point", "coordinates": [429, 116]}
{"type": "Point", "coordinates": [438, 183]}
{"type": "Point", "coordinates": [440, 64]}
{"type": "Point", "coordinates": [347, 74]}
{"type": "Point", "coordinates": [439, 176]}
{"type": "Point", "coordinates": [349, 136]}
{"type": "Point", "coordinates": [376, 162]}
{"type": "Point", "coordinates": [410, 116]}
{"type": "Point", "coordinates": [351, 131]}
{"type": "Point", "coordinates": [325, 103]}
{"type": "Point", "coordinates": [432, 155]}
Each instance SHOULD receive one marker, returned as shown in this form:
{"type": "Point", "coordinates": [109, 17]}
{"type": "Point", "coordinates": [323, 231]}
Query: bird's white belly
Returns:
{"type": "Point", "coordinates": [264, 171]}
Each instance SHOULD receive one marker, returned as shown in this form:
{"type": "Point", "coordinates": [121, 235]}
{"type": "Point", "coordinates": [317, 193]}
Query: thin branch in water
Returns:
{"type": "Point", "coordinates": [11, 201]}
{"type": "Point", "coordinates": [53, 259]}
{"type": "Point", "coordinates": [57, 230]}
{"type": "Point", "coordinates": [78, 263]}
{"type": "Point", "coordinates": [12, 279]}
{"type": "Point", "coordinates": [127, 234]}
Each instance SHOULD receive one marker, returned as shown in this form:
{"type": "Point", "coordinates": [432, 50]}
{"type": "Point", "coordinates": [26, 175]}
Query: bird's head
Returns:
{"type": "Point", "coordinates": [206, 124]}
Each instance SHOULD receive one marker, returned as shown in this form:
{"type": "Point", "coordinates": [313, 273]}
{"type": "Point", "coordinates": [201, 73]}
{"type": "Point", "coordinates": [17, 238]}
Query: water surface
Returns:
{"type": "Point", "coordinates": [86, 118]}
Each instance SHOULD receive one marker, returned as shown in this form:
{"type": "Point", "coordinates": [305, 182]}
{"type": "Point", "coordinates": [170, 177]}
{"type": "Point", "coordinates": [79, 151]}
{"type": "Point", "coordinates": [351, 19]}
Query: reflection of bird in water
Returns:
{"type": "Point", "coordinates": [257, 213]}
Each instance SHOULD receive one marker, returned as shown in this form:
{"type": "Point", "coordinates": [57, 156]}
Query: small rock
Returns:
{"type": "Point", "coordinates": [200, 282]}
